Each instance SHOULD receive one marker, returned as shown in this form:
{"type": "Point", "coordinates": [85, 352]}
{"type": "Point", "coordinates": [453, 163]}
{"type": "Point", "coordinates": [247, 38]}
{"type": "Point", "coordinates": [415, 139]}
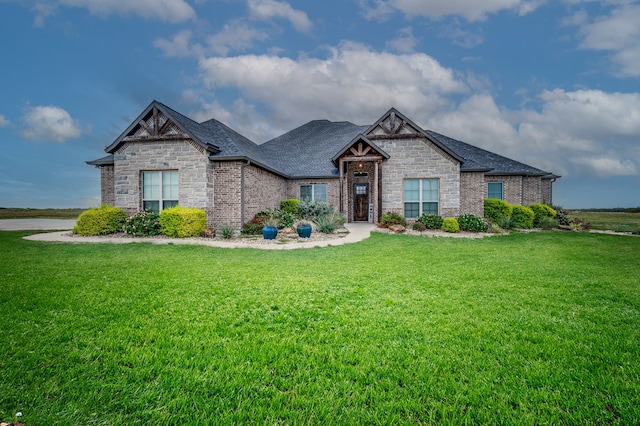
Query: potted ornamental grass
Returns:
{"type": "Point", "coordinates": [303, 228]}
{"type": "Point", "coordinates": [270, 228]}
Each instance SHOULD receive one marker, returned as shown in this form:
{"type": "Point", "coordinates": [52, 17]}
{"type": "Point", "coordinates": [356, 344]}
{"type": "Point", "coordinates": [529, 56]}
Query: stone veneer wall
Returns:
{"type": "Point", "coordinates": [195, 181]}
{"type": "Point", "coordinates": [473, 191]}
{"type": "Point", "coordinates": [418, 159]}
{"type": "Point", "coordinates": [107, 191]}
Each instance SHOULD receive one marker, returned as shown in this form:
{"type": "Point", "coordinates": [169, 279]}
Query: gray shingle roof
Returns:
{"type": "Point", "coordinates": [481, 159]}
{"type": "Point", "coordinates": [307, 151]}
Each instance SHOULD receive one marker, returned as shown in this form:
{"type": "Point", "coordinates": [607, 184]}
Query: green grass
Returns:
{"type": "Point", "coordinates": [618, 221]}
{"type": "Point", "coordinates": [15, 213]}
{"type": "Point", "coordinates": [542, 328]}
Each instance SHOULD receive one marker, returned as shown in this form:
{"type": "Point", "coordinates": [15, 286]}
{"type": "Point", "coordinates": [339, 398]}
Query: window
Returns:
{"type": "Point", "coordinates": [159, 190]}
{"type": "Point", "coordinates": [420, 196]}
{"type": "Point", "coordinates": [316, 192]}
{"type": "Point", "coordinates": [494, 190]}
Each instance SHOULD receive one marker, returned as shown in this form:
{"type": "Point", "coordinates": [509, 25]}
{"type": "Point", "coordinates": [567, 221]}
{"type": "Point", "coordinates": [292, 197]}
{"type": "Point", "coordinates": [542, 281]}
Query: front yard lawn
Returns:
{"type": "Point", "coordinates": [539, 328]}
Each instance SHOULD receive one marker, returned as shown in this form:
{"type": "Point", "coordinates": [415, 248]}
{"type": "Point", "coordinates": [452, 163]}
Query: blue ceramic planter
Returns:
{"type": "Point", "coordinates": [269, 232]}
{"type": "Point", "coordinates": [304, 231]}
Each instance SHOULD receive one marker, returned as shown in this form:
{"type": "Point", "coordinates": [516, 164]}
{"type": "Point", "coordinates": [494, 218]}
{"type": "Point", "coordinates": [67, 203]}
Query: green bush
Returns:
{"type": "Point", "coordinates": [541, 212]}
{"type": "Point", "coordinates": [182, 222]}
{"type": "Point", "coordinates": [312, 210]}
{"type": "Point", "coordinates": [450, 224]}
{"type": "Point", "coordinates": [285, 218]}
{"type": "Point", "coordinates": [330, 222]}
{"type": "Point", "coordinates": [101, 220]}
{"type": "Point", "coordinates": [290, 205]}
{"type": "Point", "coordinates": [143, 224]}
{"type": "Point", "coordinates": [496, 210]}
{"type": "Point", "coordinates": [227, 232]}
{"type": "Point", "coordinates": [419, 226]}
{"type": "Point", "coordinates": [472, 223]}
{"type": "Point", "coordinates": [390, 219]}
{"type": "Point", "coordinates": [430, 221]}
{"type": "Point", "coordinates": [522, 217]}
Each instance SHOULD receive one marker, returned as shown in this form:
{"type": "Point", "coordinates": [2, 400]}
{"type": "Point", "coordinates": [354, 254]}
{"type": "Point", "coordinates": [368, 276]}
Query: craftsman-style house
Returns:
{"type": "Point", "coordinates": [164, 158]}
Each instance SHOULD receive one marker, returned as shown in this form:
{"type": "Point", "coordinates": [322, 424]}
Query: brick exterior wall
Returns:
{"type": "Point", "coordinates": [263, 190]}
{"type": "Point", "coordinates": [107, 190]}
{"type": "Point", "coordinates": [520, 190]}
{"type": "Point", "coordinates": [473, 191]}
{"type": "Point", "coordinates": [547, 192]}
{"type": "Point", "coordinates": [418, 159]}
{"type": "Point", "coordinates": [227, 198]}
{"type": "Point", "coordinates": [195, 180]}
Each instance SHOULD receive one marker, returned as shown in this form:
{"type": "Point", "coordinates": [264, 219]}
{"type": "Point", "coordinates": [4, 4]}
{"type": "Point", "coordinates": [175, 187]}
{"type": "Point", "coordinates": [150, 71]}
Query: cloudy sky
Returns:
{"type": "Point", "coordinates": [552, 83]}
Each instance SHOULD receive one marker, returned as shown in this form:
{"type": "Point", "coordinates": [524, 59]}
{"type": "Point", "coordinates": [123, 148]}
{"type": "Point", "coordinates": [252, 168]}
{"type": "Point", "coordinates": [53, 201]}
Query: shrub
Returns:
{"type": "Point", "coordinates": [562, 216]}
{"type": "Point", "coordinates": [496, 210]}
{"type": "Point", "coordinates": [450, 224]}
{"type": "Point", "coordinates": [285, 219]}
{"type": "Point", "coordinates": [330, 222]}
{"type": "Point", "coordinates": [312, 210]}
{"type": "Point", "coordinates": [390, 219]}
{"type": "Point", "coordinates": [472, 223]}
{"type": "Point", "coordinates": [290, 205]}
{"type": "Point", "coordinates": [182, 222]}
{"type": "Point", "coordinates": [101, 220]}
{"type": "Point", "coordinates": [227, 232]}
{"type": "Point", "coordinates": [546, 223]}
{"type": "Point", "coordinates": [253, 227]}
{"type": "Point", "coordinates": [419, 226]}
{"type": "Point", "coordinates": [541, 212]}
{"type": "Point", "coordinates": [522, 217]}
{"type": "Point", "coordinates": [430, 221]}
{"type": "Point", "coordinates": [143, 224]}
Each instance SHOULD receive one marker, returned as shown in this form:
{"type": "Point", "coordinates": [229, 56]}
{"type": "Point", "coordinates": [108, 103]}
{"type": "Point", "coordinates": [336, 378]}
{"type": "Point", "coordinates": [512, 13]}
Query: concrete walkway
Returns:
{"type": "Point", "coordinates": [357, 232]}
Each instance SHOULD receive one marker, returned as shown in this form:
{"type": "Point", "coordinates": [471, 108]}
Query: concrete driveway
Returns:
{"type": "Point", "coordinates": [37, 224]}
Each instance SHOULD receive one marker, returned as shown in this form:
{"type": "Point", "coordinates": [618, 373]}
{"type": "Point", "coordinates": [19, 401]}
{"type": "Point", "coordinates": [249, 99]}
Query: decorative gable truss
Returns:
{"type": "Point", "coordinates": [393, 125]}
{"type": "Point", "coordinates": [157, 126]}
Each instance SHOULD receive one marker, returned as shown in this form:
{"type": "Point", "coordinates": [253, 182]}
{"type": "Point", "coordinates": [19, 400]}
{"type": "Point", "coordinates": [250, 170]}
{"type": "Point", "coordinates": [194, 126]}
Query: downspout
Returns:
{"type": "Point", "coordinates": [242, 221]}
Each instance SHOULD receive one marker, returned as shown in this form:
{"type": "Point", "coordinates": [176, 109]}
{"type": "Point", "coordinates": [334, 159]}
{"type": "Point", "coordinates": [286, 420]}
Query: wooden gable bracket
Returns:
{"type": "Point", "coordinates": [360, 152]}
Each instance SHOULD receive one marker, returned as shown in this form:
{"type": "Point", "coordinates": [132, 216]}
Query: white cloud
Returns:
{"type": "Point", "coordinates": [42, 11]}
{"type": "Point", "coordinates": [405, 42]}
{"type": "Point", "coordinates": [619, 33]}
{"type": "Point", "coordinates": [235, 36]}
{"type": "Point", "coordinates": [341, 86]}
{"type": "Point", "coordinates": [267, 9]}
{"type": "Point", "coordinates": [176, 47]}
{"type": "Point", "coordinates": [163, 10]}
{"type": "Point", "coordinates": [471, 10]}
{"type": "Point", "coordinates": [4, 122]}
{"type": "Point", "coordinates": [49, 123]}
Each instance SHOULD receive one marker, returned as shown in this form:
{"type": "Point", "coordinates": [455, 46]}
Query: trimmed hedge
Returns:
{"type": "Point", "coordinates": [522, 217]}
{"type": "Point", "coordinates": [496, 210]}
{"type": "Point", "coordinates": [101, 220]}
{"type": "Point", "coordinates": [542, 214]}
{"type": "Point", "coordinates": [182, 222]}
{"type": "Point", "coordinates": [450, 224]}
{"type": "Point", "coordinates": [290, 205]}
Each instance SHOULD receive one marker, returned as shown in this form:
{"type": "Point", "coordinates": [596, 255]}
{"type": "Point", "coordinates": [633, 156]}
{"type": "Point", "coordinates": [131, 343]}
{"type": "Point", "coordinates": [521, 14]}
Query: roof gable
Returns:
{"type": "Point", "coordinates": [360, 147]}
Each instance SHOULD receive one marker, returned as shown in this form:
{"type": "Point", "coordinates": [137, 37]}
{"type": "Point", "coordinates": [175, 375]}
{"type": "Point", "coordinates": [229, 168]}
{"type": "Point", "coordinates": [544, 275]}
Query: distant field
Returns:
{"type": "Point", "coordinates": [40, 213]}
{"type": "Point", "coordinates": [619, 222]}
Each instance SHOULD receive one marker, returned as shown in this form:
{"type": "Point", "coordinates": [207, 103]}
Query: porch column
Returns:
{"type": "Point", "coordinates": [341, 191]}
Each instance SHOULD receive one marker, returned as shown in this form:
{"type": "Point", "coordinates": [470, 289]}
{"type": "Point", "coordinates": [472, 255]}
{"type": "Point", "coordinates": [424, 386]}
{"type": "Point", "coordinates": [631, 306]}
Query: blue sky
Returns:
{"type": "Point", "coordinates": [552, 83]}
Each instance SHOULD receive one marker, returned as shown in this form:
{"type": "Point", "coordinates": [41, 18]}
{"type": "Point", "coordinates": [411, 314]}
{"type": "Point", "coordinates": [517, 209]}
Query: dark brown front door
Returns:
{"type": "Point", "coordinates": [361, 202]}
